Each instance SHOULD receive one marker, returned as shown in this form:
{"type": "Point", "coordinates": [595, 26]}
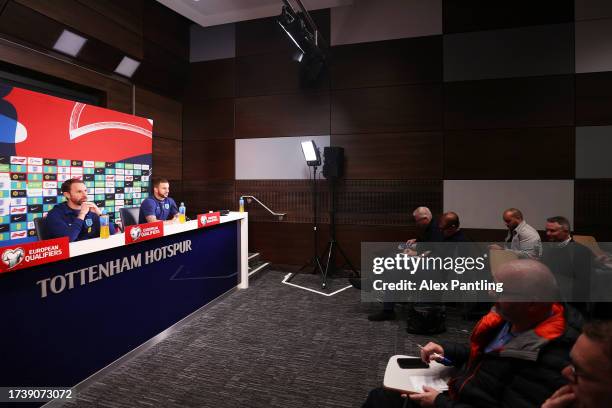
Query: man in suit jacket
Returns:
{"type": "Point", "coordinates": [569, 261]}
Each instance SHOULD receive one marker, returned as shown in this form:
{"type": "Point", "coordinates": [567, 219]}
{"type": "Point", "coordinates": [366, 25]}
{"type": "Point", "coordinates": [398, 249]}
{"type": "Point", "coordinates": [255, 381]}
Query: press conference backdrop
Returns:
{"type": "Point", "coordinates": [45, 140]}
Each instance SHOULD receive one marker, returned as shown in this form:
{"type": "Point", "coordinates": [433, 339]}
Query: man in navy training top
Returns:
{"type": "Point", "coordinates": [76, 218]}
{"type": "Point", "coordinates": [159, 207]}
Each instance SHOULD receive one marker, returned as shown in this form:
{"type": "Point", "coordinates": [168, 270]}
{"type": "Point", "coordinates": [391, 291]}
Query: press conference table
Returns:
{"type": "Point", "coordinates": [63, 321]}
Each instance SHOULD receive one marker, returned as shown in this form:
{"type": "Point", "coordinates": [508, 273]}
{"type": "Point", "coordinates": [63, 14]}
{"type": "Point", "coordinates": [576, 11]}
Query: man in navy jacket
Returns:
{"type": "Point", "coordinates": [76, 218]}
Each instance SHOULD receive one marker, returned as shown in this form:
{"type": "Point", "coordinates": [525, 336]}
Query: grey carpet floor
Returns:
{"type": "Point", "coordinates": [272, 345]}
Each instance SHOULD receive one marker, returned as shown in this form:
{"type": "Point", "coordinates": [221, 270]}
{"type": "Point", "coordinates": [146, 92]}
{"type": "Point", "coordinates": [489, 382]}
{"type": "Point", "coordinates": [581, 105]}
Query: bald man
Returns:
{"type": "Point", "coordinates": [522, 238]}
{"type": "Point", "coordinates": [516, 352]}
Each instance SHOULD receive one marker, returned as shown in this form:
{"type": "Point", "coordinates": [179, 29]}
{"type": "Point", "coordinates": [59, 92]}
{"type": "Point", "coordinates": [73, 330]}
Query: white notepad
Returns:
{"type": "Point", "coordinates": [411, 380]}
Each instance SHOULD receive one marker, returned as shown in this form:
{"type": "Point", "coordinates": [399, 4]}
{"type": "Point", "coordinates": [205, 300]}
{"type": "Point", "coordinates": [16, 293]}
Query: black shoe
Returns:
{"type": "Point", "coordinates": [382, 316]}
{"type": "Point", "coordinates": [356, 282]}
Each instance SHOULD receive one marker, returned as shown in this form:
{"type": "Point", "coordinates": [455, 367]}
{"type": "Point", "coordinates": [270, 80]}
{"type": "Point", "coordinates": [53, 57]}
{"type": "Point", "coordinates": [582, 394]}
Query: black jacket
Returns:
{"type": "Point", "coordinates": [522, 374]}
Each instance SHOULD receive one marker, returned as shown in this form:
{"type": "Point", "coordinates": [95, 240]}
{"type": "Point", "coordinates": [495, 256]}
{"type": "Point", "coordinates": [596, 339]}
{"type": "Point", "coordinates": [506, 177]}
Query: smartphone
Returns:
{"type": "Point", "coordinates": [413, 362]}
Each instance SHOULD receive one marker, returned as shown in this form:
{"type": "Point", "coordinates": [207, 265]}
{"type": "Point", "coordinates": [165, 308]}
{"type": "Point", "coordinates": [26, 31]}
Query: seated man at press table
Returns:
{"type": "Point", "coordinates": [159, 207]}
{"type": "Point", "coordinates": [75, 218]}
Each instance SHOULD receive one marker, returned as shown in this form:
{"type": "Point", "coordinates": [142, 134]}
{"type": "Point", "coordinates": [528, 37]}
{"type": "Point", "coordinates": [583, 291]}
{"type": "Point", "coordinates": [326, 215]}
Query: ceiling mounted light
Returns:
{"type": "Point", "coordinates": [69, 43]}
{"type": "Point", "coordinates": [127, 67]}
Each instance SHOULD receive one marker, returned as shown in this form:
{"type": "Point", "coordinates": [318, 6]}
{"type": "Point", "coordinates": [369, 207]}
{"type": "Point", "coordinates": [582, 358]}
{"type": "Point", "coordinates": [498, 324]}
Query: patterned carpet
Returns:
{"type": "Point", "coordinates": [272, 345]}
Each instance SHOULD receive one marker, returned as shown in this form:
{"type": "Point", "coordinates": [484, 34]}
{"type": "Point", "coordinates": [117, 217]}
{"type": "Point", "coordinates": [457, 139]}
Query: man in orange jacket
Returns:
{"type": "Point", "coordinates": [516, 352]}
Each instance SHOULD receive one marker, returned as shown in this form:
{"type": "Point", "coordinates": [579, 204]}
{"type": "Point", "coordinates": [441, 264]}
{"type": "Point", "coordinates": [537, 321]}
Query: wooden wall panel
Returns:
{"type": "Point", "coordinates": [162, 71]}
{"type": "Point", "coordinates": [476, 15]}
{"type": "Point", "coordinates": [293, 197]}
{"type": "Point", "coordinates": [126, 13]}
{"type": "Point", "coordinates": [266, 36]}
{"type": "Point", "coordinates": [592, 200]}
{"type": "Point", "coordinates": [594, 99]}
{"type": "Point", "coordinates": [284, 243]}
{"type": "Point", "coordinates": [359, 202]}
{"type": "Point", "coordinates": [510, 103]}
{"type": "Point", "coordinates": [383, 63]}
{"type": "Point", "coordinates": [350, 238]}
{"type": "Point", "coordinates": [23, 23]}
{"type": "Point", "coordinates": [209, 160]}
{"type": "Point", "coordinates": [167, 158]}
{"type": "Point", "coordinates": [166, 113]}
{"type": "Point", "coordinates": [210, 79]}
{"type": "Point", "coordinates": [386, 202]}
{"type": "Point", "coordinates": [80, 17]}
{"type": "Point", "coordinates": [166, 28]}
{"type": "Point", "coordinates": [282, 115]}
{"type": "Point", "coordinates": [118, 93]}
{"type": "Point", "coordinates": [386, 156]}
{"type": "Point", "coordinates": [210, 119]}
{"type": "Point", "coordinates": [543, 153]}
{"type": "Point", "coordinates": [388, 109]}
{"type": "Point", "coordinates": [267, 74]}
{"type": "Point", "coordinates": [203, 195]}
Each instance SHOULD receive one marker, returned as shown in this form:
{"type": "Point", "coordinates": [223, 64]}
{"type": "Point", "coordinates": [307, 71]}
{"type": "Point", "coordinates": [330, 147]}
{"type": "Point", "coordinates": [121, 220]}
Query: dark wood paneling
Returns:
{"type": "Point", "coordinates": [82, 18]}
{"type": "Point", "coordinates": [211, 119]}
{"type": "Point", "coordinates": [282, 115]}
{"type": "Point", "coordinates": [594, 99]}
{"type": "Point", "coordinates": [545, 153]}
{"type": "Point", "coordinates": [34, 28]}
{"type": "Point", "coordinates": [350, 238]}
{"type": "Point", "coordinates": [208, 160]}
{"type": "Point", "coordinates": [118, 94]}
{"type": "Point", "coordinates": [201, 196]}
{"type": "Point", "coordinates": [592, 204]}
{"type": "Point", "coordinates": [210, 79]}
{"type": "Point", "coordinates": [485, 235]}
{"type": "Point", "coordinates": [285, 243]}
{"type": "Point", "coordinates": [166, 28]}
{"type": "Point", "coordinates": [510, 103]}
{"type": "Point", "coordinates": [389, 156]}
{"type": "Point", "coordinates": [359, 202]}
{"type": "Point", "coordinates": [382, 63]}
{"type": "Point", "coordinates": [266, 74]}
{"type": "Point", "coordinates": [167, 158]}
{"type": "Point", "coordinates": [126, 13]}
{"type": "Point", "coordinates": [25, 24]}
{"type": "Point", "coordinates": [388, 109]}
{"type": "Point", "coordinates": [293, 197]}
{"type": "Point", "coordinates": [265, 35]}
{"type": "Point", "coordinates": [386, 202]}
{"type": "Point", "coordinates": [475, 15]}
{"type": "Point", "coordinates": [162, 71]}
{"type": "Point", "coordinates": [166, 113]}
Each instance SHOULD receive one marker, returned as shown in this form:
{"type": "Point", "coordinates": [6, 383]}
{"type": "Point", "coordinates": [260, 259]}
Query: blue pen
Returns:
{"type": "Point", "coordinates": [440, 359]}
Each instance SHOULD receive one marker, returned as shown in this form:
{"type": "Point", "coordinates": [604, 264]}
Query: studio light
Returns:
{"type": "Point", "coordinates": [311, 50]}
{"type": "Point", "coordinates": [311, 153]}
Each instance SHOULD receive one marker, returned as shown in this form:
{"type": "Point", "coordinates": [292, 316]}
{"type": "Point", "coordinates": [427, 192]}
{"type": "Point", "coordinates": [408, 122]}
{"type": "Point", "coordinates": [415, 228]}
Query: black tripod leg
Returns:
{"type": "Point", "coordinates": [330, 247]}
{"type": "Point", "coordinates": [347, 260]}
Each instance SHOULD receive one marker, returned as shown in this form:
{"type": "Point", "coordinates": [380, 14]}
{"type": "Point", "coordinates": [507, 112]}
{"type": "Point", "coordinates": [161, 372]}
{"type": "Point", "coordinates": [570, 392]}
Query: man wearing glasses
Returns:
{"type": "Point", "coordinates": [516, 352]}
{"type": "Point", "coordinates": [590, 370]}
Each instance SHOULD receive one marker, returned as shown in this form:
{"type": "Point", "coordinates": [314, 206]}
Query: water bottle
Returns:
{"type": "Point", "coordinates": [182, 211]}
{"type": "Point", "coordinates": [104, 225]}
{"type": "Point", "coordinates": [241, 204]}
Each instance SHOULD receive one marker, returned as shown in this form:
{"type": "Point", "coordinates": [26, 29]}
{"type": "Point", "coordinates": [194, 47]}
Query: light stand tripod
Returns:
{"type": "Point", "coordinates": [313, 160]}
{"type": "Point", "coordinates": [333, 244]}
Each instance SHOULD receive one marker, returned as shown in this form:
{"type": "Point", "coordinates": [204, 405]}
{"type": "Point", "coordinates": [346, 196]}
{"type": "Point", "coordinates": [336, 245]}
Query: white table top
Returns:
{"type": "Point", "coordinates": [97, 244]}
